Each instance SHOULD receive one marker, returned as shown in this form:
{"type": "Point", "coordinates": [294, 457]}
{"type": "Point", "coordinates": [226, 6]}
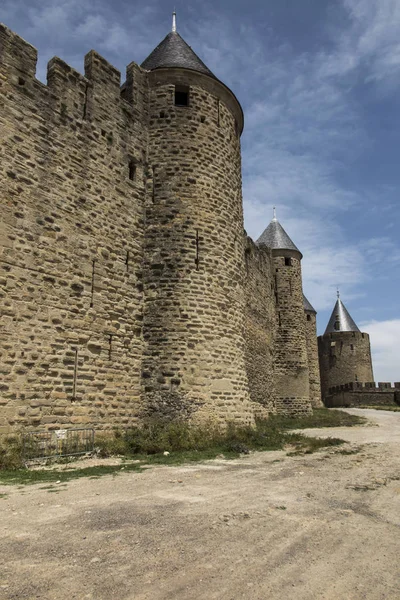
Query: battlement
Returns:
{"type": "Point", "coordinates": [370, 386]}
{"type": "Point", "coordinates": [89, 96]}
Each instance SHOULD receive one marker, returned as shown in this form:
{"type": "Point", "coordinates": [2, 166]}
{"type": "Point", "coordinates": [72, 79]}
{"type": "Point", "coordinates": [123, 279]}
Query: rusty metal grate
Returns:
{"type": "Point", "coordinates": [56, 444]}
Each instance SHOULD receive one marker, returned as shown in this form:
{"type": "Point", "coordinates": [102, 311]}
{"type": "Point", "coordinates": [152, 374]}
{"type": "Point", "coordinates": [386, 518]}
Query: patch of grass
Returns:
{"type": "Point", "coordinates": [321, 417]}
{"type": "Point", "coordinates": [3, 496]}
{"type": "Point", "coordinates": [163, 443]}
{"type": "Point", "coordinates": [26, 477]}
{"type": "Point", "coordinates": [308, 445]}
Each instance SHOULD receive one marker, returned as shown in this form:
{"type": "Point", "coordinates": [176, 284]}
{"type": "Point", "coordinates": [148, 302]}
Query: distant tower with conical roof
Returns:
{"type": "Point", "coordinates": [292, 386]}
{"type": "Point", "coordinates": [194, 363]}
{"type": "Point", "coordinates": [344, 351]}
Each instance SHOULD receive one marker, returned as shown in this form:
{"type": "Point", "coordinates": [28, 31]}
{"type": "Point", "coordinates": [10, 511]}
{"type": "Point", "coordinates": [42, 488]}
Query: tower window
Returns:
{"type": "Point", "coordinates": [132, 170]}
{"type": "Point", "coordinates": [351, 347]}
{"type": "Point", "coordinates": [288, 262]}
{"type": "Point", "coordinates": [181, 95]}
{"type": "Point", "coordinates": [308, 317]}
{"type": "Point", "coordinates": [337, 323]}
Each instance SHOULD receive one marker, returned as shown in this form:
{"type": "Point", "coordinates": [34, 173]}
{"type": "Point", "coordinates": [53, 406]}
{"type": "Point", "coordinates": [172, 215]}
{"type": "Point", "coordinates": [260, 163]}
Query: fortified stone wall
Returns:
{"type": "Point", "coordinates": [71, 241]}
{"type": "Point", "coordinates": [344, 356]}
{"type": "Point", "coordinates": [194, 362]}
{"type": "Point", "coordinates": [291, 360]}
{"type": "Point", "coordinates": [127, 285]}
{"type": "Point", "coordinates": [313, 360]}
{"type": "Point", "coordinates": [260, 327]}
{"type": "Point", "coordinates": [363, 394]}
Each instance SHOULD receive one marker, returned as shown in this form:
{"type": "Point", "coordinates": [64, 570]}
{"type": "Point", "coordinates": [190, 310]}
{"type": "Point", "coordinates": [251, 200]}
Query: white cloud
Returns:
{"type": "Point", "coordinates": [384, 336]}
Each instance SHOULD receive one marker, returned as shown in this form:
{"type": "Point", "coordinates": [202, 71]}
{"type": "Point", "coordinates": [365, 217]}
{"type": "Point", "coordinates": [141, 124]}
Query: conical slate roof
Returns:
{"type": "Point", "coordinates": [308, 306]}
{"type": "Point", "coordinates": [340, 319]}
{"type": "Point", "coordinates": [175, 52]}
{"type": "Point", "coordinates": [276, 237]}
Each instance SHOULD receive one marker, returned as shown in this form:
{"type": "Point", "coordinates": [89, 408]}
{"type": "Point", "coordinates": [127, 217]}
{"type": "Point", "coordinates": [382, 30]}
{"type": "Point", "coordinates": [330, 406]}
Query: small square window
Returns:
{"type": "Point", "coordinates": [308, 317]}
{"type": "Point", "coordinates": [181, 95]}
{"type": "Point", "coordinates": [288, 262]}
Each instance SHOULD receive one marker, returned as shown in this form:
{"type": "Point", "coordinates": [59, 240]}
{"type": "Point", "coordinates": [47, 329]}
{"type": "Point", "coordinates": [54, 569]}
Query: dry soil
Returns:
{"type": "Point", "coordinates": [267, 526]}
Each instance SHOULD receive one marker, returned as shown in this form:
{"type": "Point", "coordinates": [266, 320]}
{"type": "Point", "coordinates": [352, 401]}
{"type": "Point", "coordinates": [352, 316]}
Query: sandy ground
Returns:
{"type": "Point", "coordinates": [323, 526]}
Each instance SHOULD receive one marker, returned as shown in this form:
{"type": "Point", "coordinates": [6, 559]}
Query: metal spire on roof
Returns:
{"type": "Point", "coordinates": [174, 21]}
{"type": "Point", "coordinates": [274, 214]}
{"type": "Point", "coordinates": [338, 293]}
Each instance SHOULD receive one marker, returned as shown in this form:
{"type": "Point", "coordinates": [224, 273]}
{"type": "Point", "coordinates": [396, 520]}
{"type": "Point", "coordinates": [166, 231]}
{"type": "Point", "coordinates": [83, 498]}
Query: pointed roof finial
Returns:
{"type": "Point", "coordinates": [274, 214]}
{"type": "Point", "coordinates": [337, 292]}
{"type": "Point", "coordinates": [174, 21]}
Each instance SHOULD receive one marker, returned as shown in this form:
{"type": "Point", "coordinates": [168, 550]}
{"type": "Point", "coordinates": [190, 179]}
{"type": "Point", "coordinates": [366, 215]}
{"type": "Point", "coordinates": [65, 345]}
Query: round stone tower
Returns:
{"type": "Point", "coordinates": [291, 359]}
{"type": "Point", "coordinates": [194, 362]}
{"type": "Point", "coordinates": [344, 351]}
{"type": "Point", "coordinates": [312, 354]}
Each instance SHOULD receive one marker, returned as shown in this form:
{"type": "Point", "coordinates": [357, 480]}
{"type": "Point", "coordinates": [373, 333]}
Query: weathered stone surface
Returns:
{"type": "Point", "coordinates": [127, 285]}
{"type": "Point", "coordinates": [313, 359]}
{"type": "Point", "coordinates": [344, 356]}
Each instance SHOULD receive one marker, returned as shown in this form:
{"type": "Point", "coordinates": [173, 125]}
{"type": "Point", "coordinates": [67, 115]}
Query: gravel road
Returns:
{"type": "Point", "coordinates": [264, 527]}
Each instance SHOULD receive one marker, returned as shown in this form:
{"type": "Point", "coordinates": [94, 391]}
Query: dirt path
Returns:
{"type": "Point", "coordinates": [324, 526]}
{"type": "Point", "coordinates": [383, 427]}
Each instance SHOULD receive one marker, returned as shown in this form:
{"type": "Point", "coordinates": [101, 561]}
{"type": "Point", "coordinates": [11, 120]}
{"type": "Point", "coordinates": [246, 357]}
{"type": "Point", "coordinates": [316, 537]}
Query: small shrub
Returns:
{"type": "Point", "coordinates": [11, 453]}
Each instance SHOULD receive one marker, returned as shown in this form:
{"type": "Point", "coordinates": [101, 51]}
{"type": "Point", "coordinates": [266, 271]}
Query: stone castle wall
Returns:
{"type": "Point", "coordinates": [127, 285]}
{"type": "Point", "coordinates": [71, 242]}
{"type": "Point", "coordinates": [344, 356]}
{"type": "Point", "coordinates": [292, 387]}
{"type": "Point", "coordinates": [363, 394]}
{"type": "Point", "coordinates": [313, 360]}
{"type": "Point", "coordinates": [193, 265]}
{"type": "Point", "coordinates": [260, 326]}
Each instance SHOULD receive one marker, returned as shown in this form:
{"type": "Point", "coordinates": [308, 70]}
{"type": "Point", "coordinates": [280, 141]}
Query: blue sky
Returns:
{"type": "Point", "coordinates": [319, 82]}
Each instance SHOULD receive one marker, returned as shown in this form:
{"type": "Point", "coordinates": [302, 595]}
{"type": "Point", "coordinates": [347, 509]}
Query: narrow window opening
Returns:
{"type": "Point", "coordinates": [92, 287]}
{"type": "Point", "coordinates": [103, 133]}
{"type": "Point", "coordinates": [197, 260]}
{"type": "Point", "coordinates": [127, 260]}
{"type": "Point", "coordinates": [132, 170]}
{"type": "Point", "coordinates": [21, 81]}
{"type": "Point", "coordinates": [355, 378]}
{"type": "Point", "coordinates": [308, 317]}
{"type": "Point", "coordinates": [162, 115]}
{"type": "Point", "coordinates": [288, 262]}
{"type": "Point", "coordinates": [181, 96]}
{"type": "Point", "coordinates": [75, 374]}
{"type": "Point", "coordinates": [154, 185]}
{"type": "Point", "coordinates": [110, 340]}
{"type": "Point", "coordinates": [337, 323]}
{"type": "Point", "coordinates": [351, 347]}
{"type": "Point", "coordinates": [202, 119]}
{"type": "Point", "coordinates": [279, 319]}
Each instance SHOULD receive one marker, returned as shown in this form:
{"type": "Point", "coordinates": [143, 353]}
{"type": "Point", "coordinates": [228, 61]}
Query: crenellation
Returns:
{"type": "Point", "coordinates": [18, 58]}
